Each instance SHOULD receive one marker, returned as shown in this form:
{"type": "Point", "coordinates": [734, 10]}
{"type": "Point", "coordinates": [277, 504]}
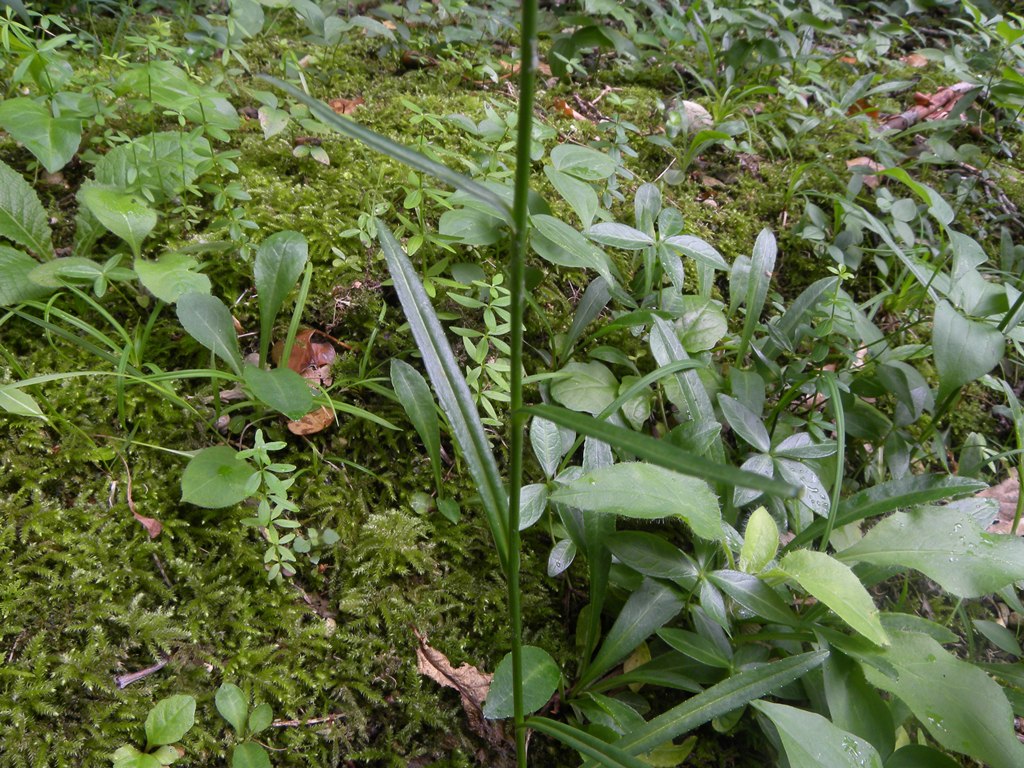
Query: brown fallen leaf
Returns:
{"type": "Point", "coordinates": [563, 108]}
{"type": "Point", "coordinates": [472, 685]}
{"type": "Point", "coordinates": [151, 524]}
{"type": "Point", "coordinates": [346, 106]}
{"type": "Point", "coordinates": [312, 422]}
{"type": "Point", "coordinates": [309, 358]}
{"type": "Point", "coordinates": [870, 180]}
{"type": "Point", "coordinates": [1006, 493]}
{"type": "Point", "coordinates": [915, 60]}
{"type": "Point", "coordinates": [927, 107]}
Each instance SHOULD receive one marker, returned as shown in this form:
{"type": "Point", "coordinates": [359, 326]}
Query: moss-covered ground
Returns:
{"type": "Point", "coordinates": [87, 597]}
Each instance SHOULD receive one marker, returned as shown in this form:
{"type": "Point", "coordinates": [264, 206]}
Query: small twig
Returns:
{"type": "Point", "coordinates": [311, 721]}
{"type": "Point", "coordinates": [163, 573]}
{"type": "Point", "coordinates": [132, 677]}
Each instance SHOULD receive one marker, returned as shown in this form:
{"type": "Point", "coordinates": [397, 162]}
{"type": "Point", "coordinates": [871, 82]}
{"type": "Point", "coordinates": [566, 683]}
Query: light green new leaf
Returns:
{"type": "Point", "coordinates": [617, 235]}
{"type": "Point", "coordinates": [811, 741]}
{"type": "Point", "coordinates": [280, 260]}
{"type": "Point", "coordinates": [18, 403]}
{"type": "Point", "coordinates": [209, 322]}
{"type": "Point", "coordinates": [587, 387]}
{"type": "Point", "coordinates": [169, 720]}
{"type": "Point", "coordinates": [760, 541]}
{"type": "Point", "coordinates": [834, 584]}
{"type": "Point", "coordinates": [233, 706]}
{"type": "Point", "coordinates": [23, 219]}
{"type": "Point", "coordinates": [702, 324]}
{"type": "Point", "coordinates": [414, 395]}
{"type": "Point", "coordinates": [260, 718]}
{"type": "Point", "coordinates": [647, 610]}
{"type": "Point", "coordinates": [964, 349]}
{"type": "Point", "coordinates": [248, 754]}
{"type": "Point", "coordinates": [171, 276]}
{"type": "Point", "coordinates": [16, 285]}
{"type": "Point", "coordinates": [540, 679]}
{"type": "Point", "coordinates": [53, 140]}
{"type": "Point", "coordinates": [214, 478]}
{"type": "Point", "coordinates": [130, 757]}
{"type": "Point", "coordinates": [122, 213]}
{"type": "Point", "coordinates": [578, 194]}
{"type": "Point", "coordinates": [646, 492]}
{"type": "Point", "coordinates": [947, 546]}
{"type": "Point", "coordinates": [962, 708]}
{"type": "Point", "coordinates": [281, 388]}
{"type": "Point", "coordinates": [582, 162]}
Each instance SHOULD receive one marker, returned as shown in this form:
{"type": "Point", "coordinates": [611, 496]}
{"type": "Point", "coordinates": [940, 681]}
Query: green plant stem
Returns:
{"type": "Point", "coordinates": [837, 485]}
{"type": "Point", "coordinates": [520, 219]}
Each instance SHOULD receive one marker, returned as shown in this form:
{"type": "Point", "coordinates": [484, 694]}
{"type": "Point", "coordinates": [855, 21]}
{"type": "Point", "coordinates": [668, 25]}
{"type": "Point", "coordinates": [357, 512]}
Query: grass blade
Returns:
{"type": "Point", "coordinates": [586, 743]}
{"type": "Point", "coordinates": [393, 149]}
{"type": "Point", "coordinates": [452, 392]}
{"type": "Point", "coordinates": [724, 697]}
{"type": "Point", "coordinates": [662, 453]}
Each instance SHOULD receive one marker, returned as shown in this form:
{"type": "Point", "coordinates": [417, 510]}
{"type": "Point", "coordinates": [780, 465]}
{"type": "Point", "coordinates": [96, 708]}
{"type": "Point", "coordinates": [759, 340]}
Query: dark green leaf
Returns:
{"type": "Point", "coordinates": [215, 478]}
{"type": "Point", "coordinates": [209, 322]}
{"type": "Point", "coordinates": [16, 285]}
{"type": "Point", "coordinates": [280, 260]}
{"type": "Point", "coordinates": [964, 349]}
{"type": "Point", "coordinates": [281, 388]}
{"type": "Point", "coordinates": [745, 423]}
{"type": "Point", "coordinates": [53, 140]}
{"type": "Point", "coordinates": [23, 219]}
{"type": "Point", "coordinates": [250, 755]}
{"type": "Point", "coordinates": [811, 741]}
{"type": "Point", "coordinates": [754, 595]}
{"type": "Point", "coordinates": [414, 395]}
{"type": "Point", "coordinates": [586, 743]}
{"type": "Point", "coordinates": [540, 679]}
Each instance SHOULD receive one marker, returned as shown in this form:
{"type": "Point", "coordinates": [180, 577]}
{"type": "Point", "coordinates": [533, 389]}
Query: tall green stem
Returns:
{"type": "Point", "coordinates": [520, 216]}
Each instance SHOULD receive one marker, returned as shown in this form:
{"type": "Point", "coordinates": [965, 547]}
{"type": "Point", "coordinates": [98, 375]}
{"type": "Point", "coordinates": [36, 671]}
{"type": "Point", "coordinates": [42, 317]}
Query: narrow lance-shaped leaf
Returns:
{"type": "Point", "coordinates": [452, 391]}
{"type": "Point", "coordinates": [762, 265]}
{"type": "Point", "coordinates": [280, 260]}
{"type": "Point", "coordinates": [414, 395]}
{"type": "Point", "coordinates": [834, 584]}
{"type": "Point", "coordinates": [661, 453]}
{"type": "Point", "coordinates": [647, 610]}
{"type": "Point", "coordinates": [730, 694]}
{"type": "Point", "coordinates": [586, 743]}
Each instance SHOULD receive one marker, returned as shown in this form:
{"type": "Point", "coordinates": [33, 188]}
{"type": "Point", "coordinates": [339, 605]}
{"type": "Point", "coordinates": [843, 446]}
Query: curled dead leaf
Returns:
{"type": "Point", "coordinates": [870, 180]}
{"type": "Point", "coordinates": [1006, 494]}
{"type": "Point", "coordinates": [472, 685]}
{"type": "Point", "coordinates": [346, 106]}
{"type": "Point", "coordinates": [312, 422]}
{"type": "Point", "coordinates": [915, 60]}
{"type": "Point", "coordinates": [310, 358]}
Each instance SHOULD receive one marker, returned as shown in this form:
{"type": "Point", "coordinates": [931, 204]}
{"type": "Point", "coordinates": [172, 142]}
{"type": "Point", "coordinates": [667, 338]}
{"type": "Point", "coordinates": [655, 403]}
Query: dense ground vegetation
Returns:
{"type": "Point", "coordinates": [257, 370]}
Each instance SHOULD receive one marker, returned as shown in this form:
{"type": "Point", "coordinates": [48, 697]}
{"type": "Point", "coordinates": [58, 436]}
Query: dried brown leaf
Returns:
{"type": "Point", "coordinates": [346, 106]}
{"type": "Point", "coordinates": [870, 180]}
{"type": "Point", "coordinates": [312, 422]}
{"type": "Point", "coordinates": [915, 60]}
{"type": "Point", "coordinates": [472, 685]}
{"type": "Point", "coordinates": [1006, 493]}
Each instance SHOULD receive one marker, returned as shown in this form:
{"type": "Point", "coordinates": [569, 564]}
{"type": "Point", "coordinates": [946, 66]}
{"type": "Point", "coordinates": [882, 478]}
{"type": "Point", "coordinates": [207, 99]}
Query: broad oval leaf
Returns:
{"type": "Point", "coordinates": [215, 478]}
{"type": "Point", "coordinates": [962, 708]}
{"type": "Point", "coordinates": [233, 706]}
{"type": "Point", "coordinates": [53, 140]}
{"type": "Point", "coordinates": [754, 595]}
{"type": "Point", "coordinates": [540, 679]}
{"type": "Point", "coordinates": [533, 500]}
{"type": "Point", "coordinates": [582, 162]}
{"type": "Point", "coordinates": [619, 236]}
{"type": "Point", "coordinates": [23, 219]}
{"type": "Point", "coordinates": [281, 388]}
{"type": "Point", "coordinates": [947, 546]}
{"type": "Point", "coordinates": [647, 492]}
{"type": "Point", "coordinates": [546, 440]}
{"type": "Point", "coordinates": [170, 719]}
{"type": "Point", "coordinates": [588, 387]}
{"type": "Point", "coordinates": [120, 212]}
{"type": "Point", "coordinates": [964, 349]}
{"type": "Point", "coordinates": [248, 754]}
{"type": "Point", "coordinates": [260, 718]}
{"type": "Point", "coordinates": [578, 194]}
{"type": "Point", "coordinates": [652, 555]}
{"type": "Point", "coordinates": [18, 403]}
{"type": "Point", "coordinates": [834, 584]}
{"type": "Point", "coordinates": [171, 276]}
{"type": "Point", "coordinates": [209, 322]}
{"type": "Point", "coordinates": [760, 541]}
{"type": "Point", "coordinates": [813, 496]}
{"type": "Point", "coordinates": [702, 324]}
{"type": "Point", "coordinates": [698, 250]}
{"type": "Point", "coordinates": [561, 557]}
{"type": "Point", "coordinates": [812, 741]}
{"type": "Point", "coordinates": [16, 284]}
